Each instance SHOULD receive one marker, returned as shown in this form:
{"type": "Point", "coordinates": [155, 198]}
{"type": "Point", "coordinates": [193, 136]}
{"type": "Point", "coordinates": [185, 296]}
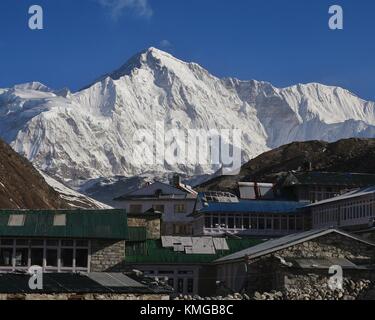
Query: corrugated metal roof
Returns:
{"type": "Point", "coordinates": [88, 224]}
{"type": "Point", "coordinates": [104, 283]}
{"type": "Point", "coordinates": [285, 242]}
{"type": "Point", "coordinates": [255, 206]}
{"type": "Point", "coordinates": [350, 195]}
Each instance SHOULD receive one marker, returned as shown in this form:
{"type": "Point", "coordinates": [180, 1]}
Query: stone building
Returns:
{"type": "Point", "coordinates": [62, 241]}
{"type": "Point", "coordinates": [175, 202]}
{"type": "Point", "coordinates": [185, 263]}
{"type": "Point", "coordinates": [297, 260]}
{"type": "Point", "coordinates": [260, 218]}
{"type": "Point", "coordinates": [318, 186]}
{"type": "Point", "coordinates": [354, 210]}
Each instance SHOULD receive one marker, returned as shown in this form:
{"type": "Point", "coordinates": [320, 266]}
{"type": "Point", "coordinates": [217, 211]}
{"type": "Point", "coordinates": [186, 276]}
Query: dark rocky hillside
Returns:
{"type": "Point", "coordinates": [21, 185]}
{"type": "Point", "coordinates": [350, 155]}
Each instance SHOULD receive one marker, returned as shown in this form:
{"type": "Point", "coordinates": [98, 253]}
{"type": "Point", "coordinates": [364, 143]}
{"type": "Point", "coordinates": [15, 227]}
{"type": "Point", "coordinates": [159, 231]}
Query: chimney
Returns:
{"type": "Point", "coordinates": [176, 180]}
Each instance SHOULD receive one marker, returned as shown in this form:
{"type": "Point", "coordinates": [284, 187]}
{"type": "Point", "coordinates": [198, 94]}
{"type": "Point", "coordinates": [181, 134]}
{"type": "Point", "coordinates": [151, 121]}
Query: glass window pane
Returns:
{"type": "Point", "coordinates": [230, 222]}
{"type": "Point", "coordinates": [180, 285]}
{"type": "Point", "coordinates": [207, 222]}
{"type": "Point", "coordinates": [37, 243]}
{"type": "Point", "coordinates": [51, 258]}
{"type": "Point", "coordinates": [82, 243]}
{"type": "Point", "coordinates": [81, 258]}
{"type": "Point", "coordinates": [171, 282]}
{"type": "Point", "coordinates": [6, 257]}
{"type": "Point", "coordinates": [67, 258]}
{"type": "Point", "coordinates": [52, 243]}
{"type": "Point", "coordinates": [190, 286]}
{"type": "Point", "coordinates": [261, 223]}
{"type": "Point", "coordinates": [22, 256]}
{"type": "Point", "coordinates": [22, 242]}
{"type": "Point", "coordinates": [67, 243]}
{"type": "Point", "coordinates": [246, 224]}
{"type": "Point", "coordinates": [37, 257]}
{"type": "Point", "coordinates": [215, 222]}
{"type": "Point", "coordinates": [6, 242]}
{"type": "Point", "coordinates": [276, 223]}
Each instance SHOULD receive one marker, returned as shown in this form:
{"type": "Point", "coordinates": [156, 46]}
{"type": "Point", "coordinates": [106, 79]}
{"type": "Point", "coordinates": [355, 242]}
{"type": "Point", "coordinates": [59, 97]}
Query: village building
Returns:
{"type": "Point", "coordinates": [184, 263]}
{"type": "Point", "coordinates": [61, 241]}
{"type": "Point", "coordinates": [351, 211]}
{"type": "Point", "coordinates": [176, 202]}
{"type": "Point", "coordinates": [297, 261]}
{"type": "Point", "coordinates": [318, 186]}
{"type": "Point", "coordinates": [262, 218]}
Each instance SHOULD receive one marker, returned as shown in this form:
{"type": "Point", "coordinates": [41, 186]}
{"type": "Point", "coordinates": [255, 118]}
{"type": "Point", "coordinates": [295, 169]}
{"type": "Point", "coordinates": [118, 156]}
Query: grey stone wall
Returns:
{"type": "Point", "coordinates": [152, 225]}
{"type": "Point", "coordinates": [106, 255]}
{"type": "Point", "coordinates": [267, 273]}
{"type": "Point", "coordinates": [86, 296]}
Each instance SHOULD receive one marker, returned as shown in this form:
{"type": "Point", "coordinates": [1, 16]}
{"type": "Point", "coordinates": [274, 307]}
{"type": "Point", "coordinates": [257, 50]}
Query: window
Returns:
{"type": "Point", "coordinates": [276, 223]}
{"type": "Point", "coordinates": [223, 222]}
{"type": "Point", "coordinates": [135, 208]}
{"type": "Point", "coordinates": [238, 222]}
{"type": "Point", "coordinates": [190, 285]}
{"type": "Point", "coordinates": [159, 208]}
{"type": "Point", "coordinates": [246, 223]}
{"type": "Point", "coordinates": [171, 282]}
{"type": "Point", "coordinates": [16, 220]}
{"type": "Point", "coordinates": [269, 223]}
{"type": "Point", "coordinates": [261, 223]}
{"type": "Point", "coordinates": [82, 243]}
{"type": "Point", "coordinates": [230, 222]}
{"type": "Point", "coordinates": [207, 222]}
{"type": "Point", "coordinates": [59, 220]}
{"type": "Point", "coordinates": [66, 258]}
{"type": "Point", "coordinates": [6, 257]}
{"type": "Point", "coordinates": [7, 242]}
{"type": "Point", "coordinates": [67, 243]}
{"type": "Point", "coordinates": [292, 223]}
{"type": "Point", "coordinates": [22, 257]}
{"type": "Point", "coordinates": [52, 243]}
{"type": "Point", "coordinates": [254, 223]}
{"type": "Point", "coordinates": [180, 208]}
{"type": "Point", "coordinates": [284, 223]}
{"type": "Point", "coordinates": [49, 254]}
{"type": "Point", "coordinates": [215, 222]}
{"type": "Point", "coordinates": [37, 257]}
{"type": "Point", "coordinates": [51, 258]}
{"type": "Point", "coordinates": [299, 223]}
{"type": "Point", "coordinates": [82, 258]}
{"type": "Point", "coordinates": [180, 285]}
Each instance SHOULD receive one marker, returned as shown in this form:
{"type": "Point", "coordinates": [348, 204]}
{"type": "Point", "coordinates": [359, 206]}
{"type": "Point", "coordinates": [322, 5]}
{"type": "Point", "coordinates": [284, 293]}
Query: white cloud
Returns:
{"type": "Point", "coordinates": [165, 44]}
{"type": "Point", "coordinates": [118, 7]}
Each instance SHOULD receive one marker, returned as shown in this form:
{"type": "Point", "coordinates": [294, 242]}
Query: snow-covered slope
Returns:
{"type": "Point", "coordinates": [73, 198]}
{"type": "Point", "coordinates": [89, 134]}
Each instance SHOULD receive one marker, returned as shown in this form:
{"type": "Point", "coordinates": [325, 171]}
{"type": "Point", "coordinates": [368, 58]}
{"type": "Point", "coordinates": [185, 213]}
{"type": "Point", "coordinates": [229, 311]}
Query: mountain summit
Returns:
{"type": "Point", "coordinates": [89, 134]}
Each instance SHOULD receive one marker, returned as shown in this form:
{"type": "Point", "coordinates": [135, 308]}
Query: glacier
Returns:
{"type": "Point", "coordinates": [88, 134]}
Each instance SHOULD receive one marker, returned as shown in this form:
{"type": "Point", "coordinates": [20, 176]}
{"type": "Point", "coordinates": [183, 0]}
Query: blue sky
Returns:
{"type": "Point", "coordinates": [284, 42]}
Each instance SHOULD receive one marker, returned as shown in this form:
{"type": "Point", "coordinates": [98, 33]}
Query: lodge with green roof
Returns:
{"type": "Point", "coordinates": [62, 240]}
{"type": "Point", "coordinates": [187, 273]}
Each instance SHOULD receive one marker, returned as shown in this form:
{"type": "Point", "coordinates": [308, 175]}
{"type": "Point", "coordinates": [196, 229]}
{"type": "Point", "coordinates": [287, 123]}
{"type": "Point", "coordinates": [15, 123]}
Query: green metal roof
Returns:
{"type": "Point", "coordinates": [152, 252]}
{"type": "Point", "coordinates": [81, 224]}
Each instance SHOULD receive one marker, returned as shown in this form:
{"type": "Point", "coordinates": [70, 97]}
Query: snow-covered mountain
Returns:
{"type": "Point", "coordinates": [89, 134]}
